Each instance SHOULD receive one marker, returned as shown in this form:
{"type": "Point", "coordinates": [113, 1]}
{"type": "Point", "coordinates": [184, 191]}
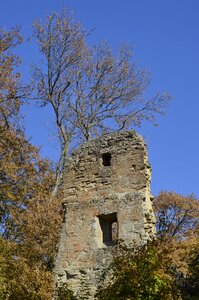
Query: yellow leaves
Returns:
{"type": "Point", "coordinates": [20, 281]}
{"type": "Point", "coordinates": [144, 274]}
{"type": "Point", "coordinates": [167, 268]}
{"type": "Point", "coordinates": [11, 90]}
{"type": "Point", "coordinates": [177, 216]}
{"type": "Point", "coordinates": [26, 268]}
{"type": "Point", "coordinates": [30, 217]}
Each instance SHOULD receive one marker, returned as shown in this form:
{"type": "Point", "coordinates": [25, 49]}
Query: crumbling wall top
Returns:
{"type": "Point", "coordinates": [114, 162]}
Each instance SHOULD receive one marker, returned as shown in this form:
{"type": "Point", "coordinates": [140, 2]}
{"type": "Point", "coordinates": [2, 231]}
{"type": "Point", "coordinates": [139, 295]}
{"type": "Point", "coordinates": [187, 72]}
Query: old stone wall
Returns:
{"type": "Point", "coordinates": [107, 197]}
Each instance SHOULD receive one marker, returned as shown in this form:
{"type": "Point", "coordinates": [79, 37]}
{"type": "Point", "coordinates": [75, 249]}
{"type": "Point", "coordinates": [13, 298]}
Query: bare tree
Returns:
{"type": "Point", "coordinates": [62, 44]}
{"type": "Point", "coordinates": [92, 90]}
{"type": "Point", "coordinates": [107, 93]}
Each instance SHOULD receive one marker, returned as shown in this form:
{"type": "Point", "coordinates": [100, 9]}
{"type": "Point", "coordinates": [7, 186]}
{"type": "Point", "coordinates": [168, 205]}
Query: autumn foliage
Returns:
{"type": "Point", "coordinates": [83, 97]}
{"type": "Point", "coordinates": [30, 217]}
{"type": "Point", "coordinates": [166, 268]}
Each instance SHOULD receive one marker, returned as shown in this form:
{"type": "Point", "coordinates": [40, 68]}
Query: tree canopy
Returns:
{"type": "Point", "coordinates": [30, 217]}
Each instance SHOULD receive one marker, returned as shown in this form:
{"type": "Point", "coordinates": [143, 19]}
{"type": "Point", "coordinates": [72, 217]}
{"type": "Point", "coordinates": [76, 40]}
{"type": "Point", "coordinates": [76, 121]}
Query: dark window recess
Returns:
{"type": "Point", "coordinates": [106, 159]}
{"type": "Point", "coordinates": [109, 228]}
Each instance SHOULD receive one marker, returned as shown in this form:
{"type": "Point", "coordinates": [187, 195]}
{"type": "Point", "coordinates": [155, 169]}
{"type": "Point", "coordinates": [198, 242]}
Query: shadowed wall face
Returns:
{"type": "Point", "coordinates": [107, 197]}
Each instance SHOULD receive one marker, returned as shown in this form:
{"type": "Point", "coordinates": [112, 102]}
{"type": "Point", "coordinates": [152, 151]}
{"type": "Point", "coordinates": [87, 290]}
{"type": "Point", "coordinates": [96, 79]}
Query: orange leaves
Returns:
{"type": "Point", "coordinates": [30, 216]}
{"type": "Point", "coordinates": [19, 280]}
{"type": "Point", "coordinates": [9, 81]}
{"type": "Point", "coordinates": [177, 225]}
{"type": "Point", "coordinates": [11, 90]}
{"type": "Point", "coordinates": [30, 219]}
{"type": "Point", "coordinates": [177, 215]}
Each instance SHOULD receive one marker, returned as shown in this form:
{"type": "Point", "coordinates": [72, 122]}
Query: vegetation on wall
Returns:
{"type": "Point", "coordinates": [166, 268]}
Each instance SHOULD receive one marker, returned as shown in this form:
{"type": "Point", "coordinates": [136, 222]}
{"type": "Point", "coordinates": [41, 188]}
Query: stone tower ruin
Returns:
{"type": "Point", "coordinates": [107, 197]}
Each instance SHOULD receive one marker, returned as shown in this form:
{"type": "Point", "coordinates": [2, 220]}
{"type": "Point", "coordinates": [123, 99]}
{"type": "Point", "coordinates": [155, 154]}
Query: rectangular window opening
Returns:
{"type": "Point", "coordinates": [109, 228]}
{"type": "Point", "coordinates": [106, 159]}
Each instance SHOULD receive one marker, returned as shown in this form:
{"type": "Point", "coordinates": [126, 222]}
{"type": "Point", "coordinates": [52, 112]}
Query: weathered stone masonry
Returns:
{"type": "Point", "coordinates": [107, 197]}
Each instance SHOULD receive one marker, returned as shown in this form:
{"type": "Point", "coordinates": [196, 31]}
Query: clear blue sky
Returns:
{"type": "Point", "coordinates": [165, 37]}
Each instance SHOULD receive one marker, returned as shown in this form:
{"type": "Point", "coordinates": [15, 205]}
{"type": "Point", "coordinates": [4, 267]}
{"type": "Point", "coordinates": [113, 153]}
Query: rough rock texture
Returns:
{"type": "Point", "coordinates": [107, 197]}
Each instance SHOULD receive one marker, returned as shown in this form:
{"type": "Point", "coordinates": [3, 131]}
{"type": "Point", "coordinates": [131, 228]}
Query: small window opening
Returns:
{"type": "Point", "coordinates": [109, 229]}
{"type": "Point", "coordinates": [106, 159]}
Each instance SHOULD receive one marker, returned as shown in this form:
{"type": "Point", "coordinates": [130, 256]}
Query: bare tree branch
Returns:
{"type": "Point", "coordinates": [91, 89]}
